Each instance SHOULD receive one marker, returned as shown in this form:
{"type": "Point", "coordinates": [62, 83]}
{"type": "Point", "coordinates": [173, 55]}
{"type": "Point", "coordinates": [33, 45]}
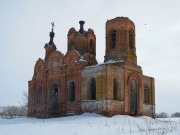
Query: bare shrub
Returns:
{"type": "Point", "coordinates": [11, 112]}
{"type": "Point", "coordinates": [176, 114]}
{"type": "Point", "coordinates": [161, 115]}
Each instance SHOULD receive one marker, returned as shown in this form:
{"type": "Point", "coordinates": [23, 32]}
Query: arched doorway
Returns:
{"type": "Point", "coordinates": [133, 98]}
{"type": "Point", "coordinates": [53, 100]}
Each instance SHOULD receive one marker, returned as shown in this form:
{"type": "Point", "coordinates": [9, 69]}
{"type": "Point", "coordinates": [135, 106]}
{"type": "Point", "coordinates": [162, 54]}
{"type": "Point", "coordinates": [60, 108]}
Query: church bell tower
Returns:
{"type": "Point", "coordinates": [84, 42]}
{"type": "Point", "coordinates": [120, 40]}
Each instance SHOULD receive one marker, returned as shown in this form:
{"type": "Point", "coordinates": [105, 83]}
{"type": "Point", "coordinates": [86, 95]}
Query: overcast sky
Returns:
{"type": "Point", "coordinates": [25, 27]}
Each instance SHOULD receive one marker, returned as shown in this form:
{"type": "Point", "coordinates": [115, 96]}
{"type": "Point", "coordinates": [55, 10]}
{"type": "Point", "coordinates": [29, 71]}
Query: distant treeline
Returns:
{"type": "Point", "coordinates": [165, 115]}
{"type": "Point", "coordinates": [10, 112]}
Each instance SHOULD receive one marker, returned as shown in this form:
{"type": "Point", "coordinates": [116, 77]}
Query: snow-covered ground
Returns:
{"type": "Point", "coordinates": [90, 124]}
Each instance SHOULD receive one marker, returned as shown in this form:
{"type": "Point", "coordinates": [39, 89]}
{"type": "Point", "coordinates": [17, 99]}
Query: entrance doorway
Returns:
{"type": "Point", "coordinates": [133, 98]}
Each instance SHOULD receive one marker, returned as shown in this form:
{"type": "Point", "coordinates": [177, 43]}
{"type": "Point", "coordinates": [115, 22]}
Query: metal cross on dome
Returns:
{"type": "Point", "coordinates": [52, 25]}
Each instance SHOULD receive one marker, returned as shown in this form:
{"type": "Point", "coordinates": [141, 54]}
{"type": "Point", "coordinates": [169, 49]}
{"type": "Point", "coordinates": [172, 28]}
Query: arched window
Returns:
{"type": "Point", "coordinates": [112, 39]}
{"type": "Point", "coordinates": [92, 89]}
{"type": "Point", "coordinates": [38, 95]}
{"type": "Point", "coordinates": [131, 39]}
{"type": "Point", "coordinates": [133, 86]}
{"type": "Point", "coordinates": [91, 46]}
{"type": "Point", "coordinates": [71, 91]}
{"type": "Point", "coordinates": [146, 93]}
{"type": "Point", "coordinates": [116, 89]}
{"type": "Point", "coordinates": [71, 44]}
{"type": "Point", "coordinates": [54, 93]}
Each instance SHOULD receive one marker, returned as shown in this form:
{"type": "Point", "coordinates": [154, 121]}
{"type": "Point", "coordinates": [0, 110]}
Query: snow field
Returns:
{"type": "Point", "coordinates": [90, 124]}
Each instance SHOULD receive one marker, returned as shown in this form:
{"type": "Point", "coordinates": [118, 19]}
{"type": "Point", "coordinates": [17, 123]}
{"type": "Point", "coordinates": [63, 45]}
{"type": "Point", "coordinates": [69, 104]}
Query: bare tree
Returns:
{"type": "Point", "coordinates": [24, 99]}
{"type": "Point", "coordinates": [10, 112]}
{"type": "Point", "coordinates": [24, 104]}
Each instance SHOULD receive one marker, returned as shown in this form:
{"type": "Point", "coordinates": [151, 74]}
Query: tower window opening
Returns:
{"type": "Point", "coordinates": [91, 46]}
{"type": "Point", "coordinates": [131, 39]}
{"type": "Point", "coordinates": [113, 39]}
{"type": "Point", "coordinates": [71, 46]}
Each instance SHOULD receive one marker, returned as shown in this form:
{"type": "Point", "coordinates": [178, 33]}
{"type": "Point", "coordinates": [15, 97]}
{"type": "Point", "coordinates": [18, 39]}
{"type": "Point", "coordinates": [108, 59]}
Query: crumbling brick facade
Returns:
{"type": "Point", "coordinates": [74, 83]}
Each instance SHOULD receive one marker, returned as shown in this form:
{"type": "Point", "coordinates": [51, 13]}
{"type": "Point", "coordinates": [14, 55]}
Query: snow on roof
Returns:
{"type": "Point", "coordinates": [82, 59]}
{"type": "Point", "coordinates": [106, 63]}
{"type": "Point", "coordinates": [113, 61]}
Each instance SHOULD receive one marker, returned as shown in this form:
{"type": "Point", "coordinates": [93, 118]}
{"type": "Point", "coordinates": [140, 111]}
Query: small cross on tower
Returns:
{"type": "Point", "coordinates": [52, 25]}
{"type": "Point", "coordinates": [51, 34]}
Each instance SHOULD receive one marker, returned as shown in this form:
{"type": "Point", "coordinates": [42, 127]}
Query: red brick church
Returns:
{"type": "Point", "coordinates": [75, 83]}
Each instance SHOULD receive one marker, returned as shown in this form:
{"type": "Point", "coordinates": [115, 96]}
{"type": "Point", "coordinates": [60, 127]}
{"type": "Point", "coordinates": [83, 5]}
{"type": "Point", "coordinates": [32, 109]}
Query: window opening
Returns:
{"type": "Point", "coordinates": [92, 89]}
{"type": "Point", "coordinates": [116, 90]}
{"type": "Point", "coordinates": [131, 39]}
{"type": "Point", "coordinates": [113, 39]}
{"type": "Point", "coordinates": [71, 91]}
{"type": "Point", "coordinates": [38, 95]}
{"type": "Point", "coordinates": [146, 94]}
